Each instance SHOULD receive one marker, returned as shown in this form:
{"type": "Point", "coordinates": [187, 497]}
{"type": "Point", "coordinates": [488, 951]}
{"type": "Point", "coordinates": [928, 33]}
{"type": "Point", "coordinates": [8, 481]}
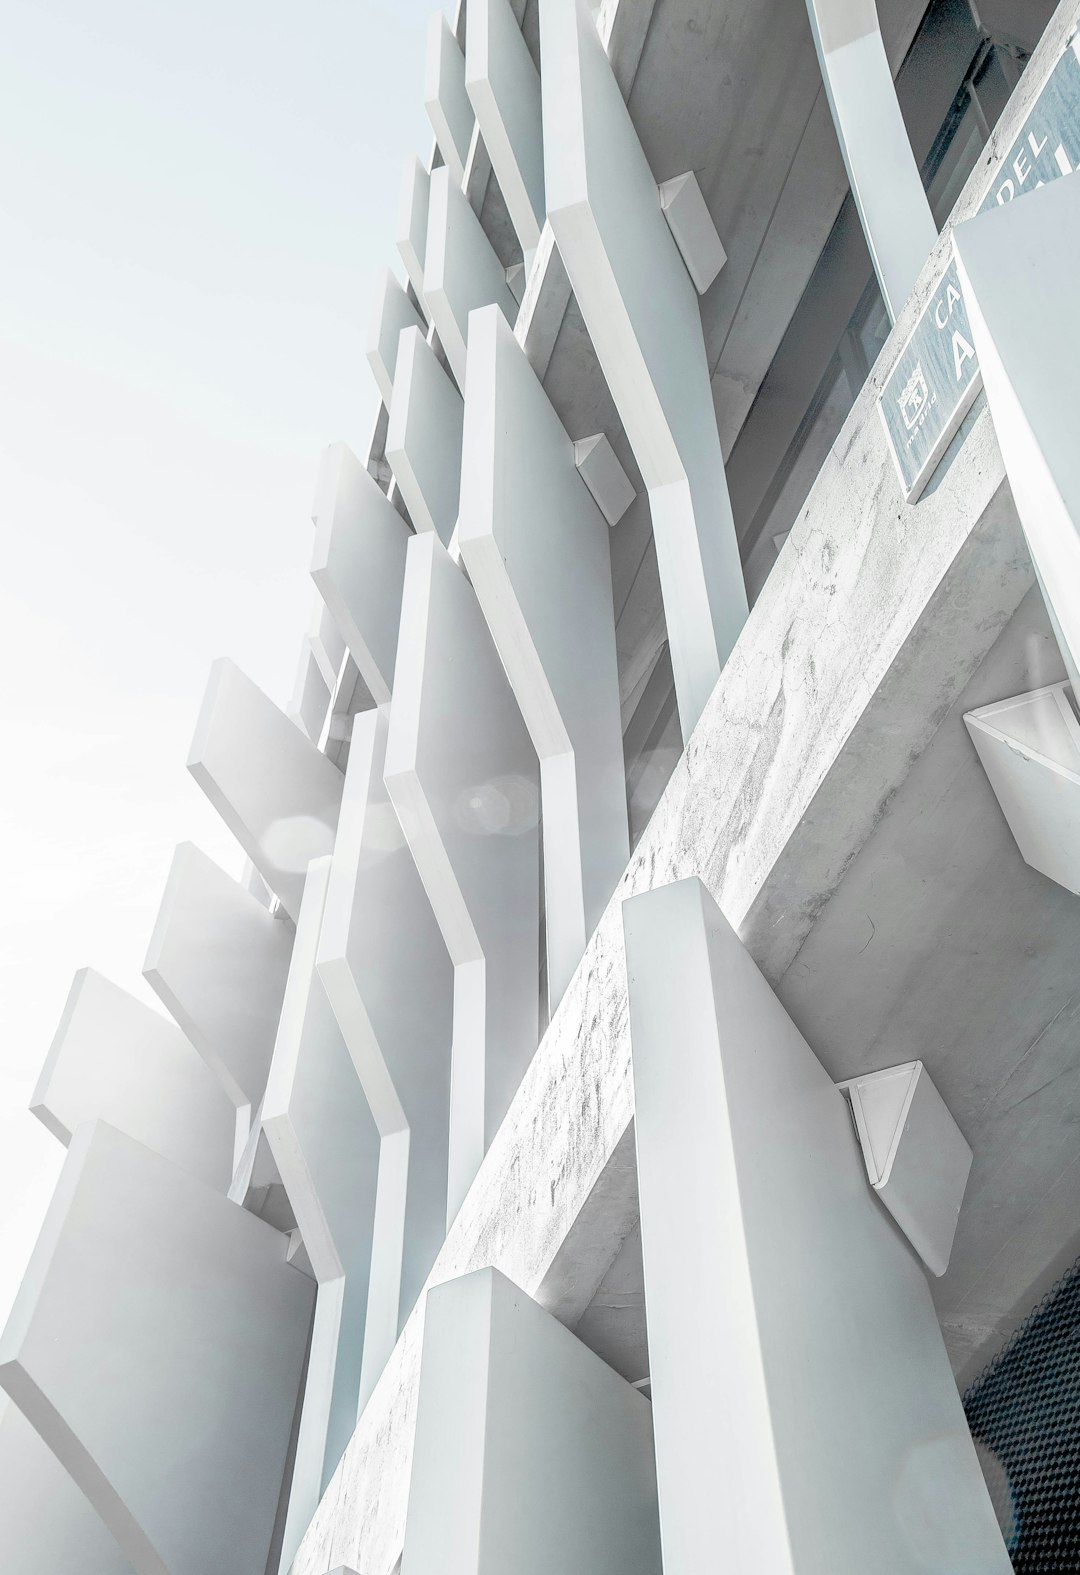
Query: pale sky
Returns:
{"type": "Point", "coordinates": [196, 200]}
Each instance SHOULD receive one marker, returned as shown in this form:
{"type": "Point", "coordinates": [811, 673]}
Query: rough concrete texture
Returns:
{"type": "Point", "coordinates": [873, 622]}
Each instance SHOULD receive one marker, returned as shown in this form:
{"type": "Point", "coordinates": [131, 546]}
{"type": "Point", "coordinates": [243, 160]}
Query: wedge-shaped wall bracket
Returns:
{"type": "Point", "coordinates": [1030, 750]}
{"type": "Point", "coordinates": [690, 222]}
{"type": "Point", "coordinates": [916, 1156]}
{"type": "Point", "coordinates": [600, 470]}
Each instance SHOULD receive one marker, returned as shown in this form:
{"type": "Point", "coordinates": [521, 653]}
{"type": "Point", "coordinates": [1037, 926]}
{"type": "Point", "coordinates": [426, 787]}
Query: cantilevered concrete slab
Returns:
{"type": "Point", "coordinates": [177, 1431]}
{"type": "Point", "coordinates": [552, 1465]}
{"type": "Point", "coordinates": [276, 793]}
{"type": "Point", "coordinates": [388, 976]}
{"type": "Point", "coordinates": [461, 271]}
{"type": "Point", "coordinates": [503, 86]}
{"type": "Point", "coordinates": [412, 222]}
{"type": "Point", "coordinates": [536, 548]}
{"type": "Point", "coordinates": [115, 1059]}
{"type": "Point", "coordinates": [358, 564]}
{"type": "Point", "coordinates": [445, 98]}
{"type": "Point", "coordinates": [423, 438]}
{"type": "Point", "coordinates": [463, 775]}
{"type": "Point", "coordinates": [392, 312]}
{"type": "Point", "coordinates": [218, 961]}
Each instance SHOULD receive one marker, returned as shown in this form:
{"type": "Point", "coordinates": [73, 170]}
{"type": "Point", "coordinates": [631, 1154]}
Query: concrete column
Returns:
{"type": "Point", "coordinates": [413, 221]}
{"type": "Point", "coordinates": [531, 1455]}
{"type": "Point", "coordinates": [273, 789]}
{"type": "Point", "coordinates": [423, 439]}
{"type": "Point", "coordinates": [46, 1524]}
{"type": "Point", "coordinates": [177, 1430]}
{"type": "Point", "coordinates": [807, 1420]}
{"type": "Point", "coordinates": [392, 313]}
{"type": "Point", "coordinates": [388, 975]}
{"type": "Point", "coordinates": [358, 564]}
{"type": "Point", "coordinates": [464, 778]}
{"type": "Point", "coordinates": [885, 181]}
{"type": "Point", "coordinates": [641, 310]}
{"type": "Point", "coordinates": [114, 1059]}
{"type": "Point", "coordinates": [536, 547]}
{"type": "Point", "coordinates": [218, 961]}
{"type": "Point", "coordinates": [326, 1146]}
{"type": "Point", "coordinates": [445, 98]}
{"type": "Point", "coordinates": [461, 270]}
{"type": "Point", "coordinates": [1017, 265]}
{"type": "Point", "coordinates": [504, 89]}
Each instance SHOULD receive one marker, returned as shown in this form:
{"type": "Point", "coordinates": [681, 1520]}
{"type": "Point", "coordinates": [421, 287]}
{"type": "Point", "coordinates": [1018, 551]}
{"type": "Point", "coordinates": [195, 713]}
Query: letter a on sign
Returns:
{"type": "Point", "coordinates": [962, 351]}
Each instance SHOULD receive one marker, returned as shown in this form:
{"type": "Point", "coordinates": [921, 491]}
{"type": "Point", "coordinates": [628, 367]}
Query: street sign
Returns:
{"type": "Point", "coordinates": [936, 376]}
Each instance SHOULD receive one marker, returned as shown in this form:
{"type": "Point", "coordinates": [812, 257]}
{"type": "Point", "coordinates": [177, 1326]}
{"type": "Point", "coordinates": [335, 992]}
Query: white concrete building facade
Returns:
{"type": "Point", "coordinates": [633, 1096]}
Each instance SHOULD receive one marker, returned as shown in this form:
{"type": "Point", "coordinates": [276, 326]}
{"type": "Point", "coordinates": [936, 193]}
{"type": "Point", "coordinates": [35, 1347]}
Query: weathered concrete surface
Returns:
{"type": "Point", "coordinates": [868, 630]}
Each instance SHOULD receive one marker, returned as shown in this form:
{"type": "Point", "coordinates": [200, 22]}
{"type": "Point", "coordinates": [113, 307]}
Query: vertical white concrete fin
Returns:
{"type": "Point", "coordinates": [885, 182]}
{"type": "Point", "coordinates": [276, 793]}
{"type": "Point", "coordinates": [641, 309]}
{"type": "Point", "coordinates": [733, 1110]}
{"type": "Point", "coordinates": [503, 86]}
{"type": "Point", "coordinates": [392, 312]}
{"type": "Point", "coordinates": [461, 270]}
{"type": "Point", "coordinates": [445, 99]}
{"type": "Point", "coordinates": [412, 223]}
{"type": "Point", "coordinates": [536, 549]}
{"type": "Point", "coordinates": [358, 565]}
{"type": "Point", "coordinates": [423, 439]}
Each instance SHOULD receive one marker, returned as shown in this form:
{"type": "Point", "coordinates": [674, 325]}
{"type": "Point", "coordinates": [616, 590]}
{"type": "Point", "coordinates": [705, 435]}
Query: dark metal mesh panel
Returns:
{"type": "Point", "coordinates": [1024, 1414]}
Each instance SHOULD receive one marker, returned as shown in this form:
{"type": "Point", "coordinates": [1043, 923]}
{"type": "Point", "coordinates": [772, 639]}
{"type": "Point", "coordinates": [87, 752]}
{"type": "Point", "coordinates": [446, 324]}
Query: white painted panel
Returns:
{"type": "Point", "coordinates": [326, 1146]}
{"type": "Point", "coordinates": [641, 310]}
{"type": "Point", "coordinates": [551, 1462]}
{"type": "Point", "coordinates": [1017, 265]}
{"type": "Point", "coordinates": [504, 89]}
{"type": "Point", "coordinates": [311, 694]}
{"type": "Point", "coordinates": [844, 1446]}
{"type": "Point", "coordinates": [358, 564]}
{"type": "Point", "coordinates": [392, 312]}
{"type": "Point", "coordinates": [47, 1526]}
{"type": "Point", "coordinates": [156, 1345]}
{"type": "Point", "coordinates": [218, 961]}
{"type": "Point", "coordinates": [389, 978]}
{"type": "Point", "coordinates": [464, 777]}
{"type": "Point", "coordinates": [113, 1058]}
{"type": "Point", "coordinates": [536, 547]}
{"type": "Point", "coordinates": [885, 180]}
{"type": "Point", "coordinates": [445, 98]}
{"type": "Point", "coordinates": [461, 270]}
{"type": "Point", "coordinates": [276, 793]}
{"type": "Point", "coordinates": [423, 438]}
{"type": "Point", "coordinates": [412, 223]}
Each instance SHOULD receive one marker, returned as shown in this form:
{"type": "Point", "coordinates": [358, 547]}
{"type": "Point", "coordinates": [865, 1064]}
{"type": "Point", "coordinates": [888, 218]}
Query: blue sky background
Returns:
{"type": "Point", "coordinates": [197, 199]}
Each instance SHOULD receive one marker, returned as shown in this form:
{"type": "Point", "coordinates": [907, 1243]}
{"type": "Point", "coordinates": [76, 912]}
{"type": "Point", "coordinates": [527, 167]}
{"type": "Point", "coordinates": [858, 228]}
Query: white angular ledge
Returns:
{"type": "Point", "coordinates": [114, 1059]}
{"type": "Point", "coordinates": [1030, 750]}
{"type": "Point", "coordinates": [392, 312]}
{"type": "Point", "coordinates": [412, 222]}
{"type": "Point", "coordinates": [600, 470]}
{"type": "Point", "coordinates": [551, 1466]}
{"type": "Point", "coordinates": [273, 789]}
{"type": "Point", "coordinates": [917, 1159]}
{"type": "Point", "coordinates": [445, 98]}
{"type": "Point", "coordinates": [691, 223]}
{"type": "Point", "coordinates": [461, 270]}
{"type": "Point", "coordinates": [423, 438]}
{"type": "Point", "coordinates": [503, 86]}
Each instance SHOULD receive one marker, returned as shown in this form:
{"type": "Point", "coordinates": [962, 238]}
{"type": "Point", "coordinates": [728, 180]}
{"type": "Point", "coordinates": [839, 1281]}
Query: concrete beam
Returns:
{"type": "Point", "coordinates": [733, 1110]}
{"type": "Point", "coordinates": [218, 961]}
{"type": "Point", "coordinates": [641, 309]}
{"type": "Point", "coordinates": [358, 565]}
{"type": "Point", "coordinates": [326, 1147]}
{"type": "Point", "coordinates": [464, 778]}
{"type": "Point", "coordinates": [461, 270]}
{"type": "Point", "coordinates": [413, 222]}
{"type": "Point", "coordinates": [273, 789]}
{"type": "Point", "coordinates": [177, 1431]}
{"type": "Point", "coordinates": [386, 971]}
{"type": "Point", "coordinates": [552, 1463]}
{"type": "Point", "coordinates": [114, 1059]}
{"type": "Point", "coordinates": [504, 89]}
{"type": "Point", "coordinates": [423, 439]}
{"type": "Point", "coordinates": [536, 547]}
